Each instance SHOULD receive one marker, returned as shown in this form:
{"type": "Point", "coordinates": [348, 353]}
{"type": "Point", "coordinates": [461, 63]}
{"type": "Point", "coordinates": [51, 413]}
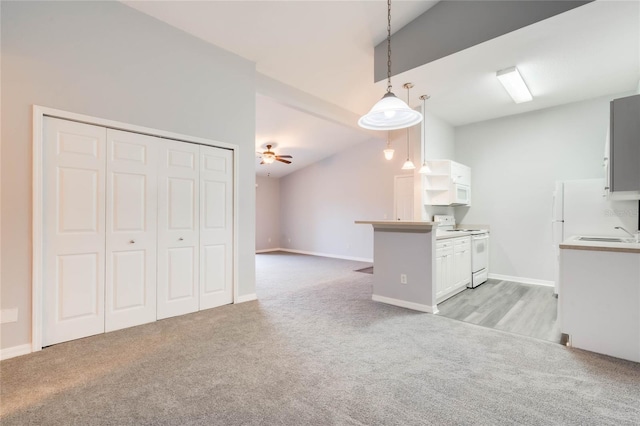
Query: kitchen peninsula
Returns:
{"type": "Point", "coordinates": [599, 295]}
{"type": "Point", "coordinates": [404, 264]}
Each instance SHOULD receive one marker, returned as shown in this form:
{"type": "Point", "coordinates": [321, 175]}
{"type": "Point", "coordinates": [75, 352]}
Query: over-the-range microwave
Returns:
{"type": "Point", "coordinates": [461, 194]}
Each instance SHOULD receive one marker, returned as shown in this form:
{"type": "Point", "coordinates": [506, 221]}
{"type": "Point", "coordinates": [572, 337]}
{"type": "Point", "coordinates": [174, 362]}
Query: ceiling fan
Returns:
{"type": "Point", "coordinates": [269, 157]}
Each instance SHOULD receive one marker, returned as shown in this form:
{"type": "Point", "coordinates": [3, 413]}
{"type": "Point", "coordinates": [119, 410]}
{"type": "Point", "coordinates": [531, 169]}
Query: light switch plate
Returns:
{"type": "Point", "coordinates": [8, 315]}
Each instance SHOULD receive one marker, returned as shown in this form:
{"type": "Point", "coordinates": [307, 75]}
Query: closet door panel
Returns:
{"type": "Point", "coordinates": [131, 229]}
{"type": "Point", "coordinates": [74, 230]}
{"type": "Point", "coordinates": [216, 227]}
{"type": "Point", "coordinates": [178, 225]}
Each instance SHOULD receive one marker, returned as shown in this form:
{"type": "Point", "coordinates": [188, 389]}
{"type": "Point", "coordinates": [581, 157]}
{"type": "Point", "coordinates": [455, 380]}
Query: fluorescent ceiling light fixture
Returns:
{"type": "Point", "coordinates": [514, 84]}
{"type": "Point", "coordinates": [389, 113]}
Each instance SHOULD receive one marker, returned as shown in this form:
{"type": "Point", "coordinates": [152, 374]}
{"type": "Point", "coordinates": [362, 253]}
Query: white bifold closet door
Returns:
{"type": "Point", "coordinates": [131, 236]}
{"type": "Point", "coordinates": [136, 228]}
{"type": "Point", "coordinates": [178, 229]}
{"type": "Point", "coordinates": [74, 230]}
{"type": "Point", "coordinates": [216, 227]}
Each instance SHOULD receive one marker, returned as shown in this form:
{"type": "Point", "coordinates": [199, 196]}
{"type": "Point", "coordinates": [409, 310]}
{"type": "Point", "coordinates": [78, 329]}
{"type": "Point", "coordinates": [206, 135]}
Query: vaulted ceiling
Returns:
{"type": "Point", "coordinates": [325, 49]}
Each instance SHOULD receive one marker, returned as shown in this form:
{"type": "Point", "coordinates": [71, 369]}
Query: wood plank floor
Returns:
{"type": "Point", "coordinates": [525, 309]}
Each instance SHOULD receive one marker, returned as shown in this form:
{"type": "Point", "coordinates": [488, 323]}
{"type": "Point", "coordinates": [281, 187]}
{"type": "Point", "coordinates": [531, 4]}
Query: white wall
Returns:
{"type": "Point", "coordinates": [267, 213]}
{"type": "Point", "coordinates": [320, 203]}
{"type": "Point", "coordinates": [439, 144]}
{"type": "Point", "coordinates": [107, 60]}
{"type": "Point", "coordinates": [515, 162]}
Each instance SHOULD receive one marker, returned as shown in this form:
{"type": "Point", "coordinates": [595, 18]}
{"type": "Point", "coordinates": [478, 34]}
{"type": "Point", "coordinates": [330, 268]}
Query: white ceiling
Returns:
{"type": "Point", "coordinates": [325, 48]}
{"type": "Point", "coordinates": [304, 136]}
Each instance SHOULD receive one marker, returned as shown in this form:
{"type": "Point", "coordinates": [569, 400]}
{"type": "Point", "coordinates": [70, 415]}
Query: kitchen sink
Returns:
{"type": "Point", "coordinates": [607, 239]}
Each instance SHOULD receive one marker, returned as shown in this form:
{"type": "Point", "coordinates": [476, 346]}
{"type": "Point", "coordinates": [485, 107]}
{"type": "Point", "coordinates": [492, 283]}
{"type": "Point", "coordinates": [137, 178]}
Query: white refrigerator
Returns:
{"type": "Point", "coordinates": [581, 207]}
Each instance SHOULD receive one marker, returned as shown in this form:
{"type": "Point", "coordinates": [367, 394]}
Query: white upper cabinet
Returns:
{"type": "Point", "coordinates": [447, 184]}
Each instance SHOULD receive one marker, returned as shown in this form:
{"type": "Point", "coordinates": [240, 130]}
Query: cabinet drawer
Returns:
{"type": "Point", "coordinates": [444, 244]}
{"type": "Point", "coordinates": [462, 241]}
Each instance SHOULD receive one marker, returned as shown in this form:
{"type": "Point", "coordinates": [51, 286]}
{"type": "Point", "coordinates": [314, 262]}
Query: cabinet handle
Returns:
{"type": "Point", "coordinates": [132, 242]}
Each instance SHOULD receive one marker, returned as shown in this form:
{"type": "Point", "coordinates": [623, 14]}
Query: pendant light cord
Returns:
{"type": "Point", "coordinates": [424, 128]}
{"type": "Point", "coordinates": [408, 87]}
{"type": "Point", "coordinates": [388, 46]}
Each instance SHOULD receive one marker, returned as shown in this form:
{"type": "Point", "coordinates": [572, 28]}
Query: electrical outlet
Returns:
{"type": "Point", "coordinates": [403, 278]}
{"type": "Point", "coordinates": [269, 239]}
{"type": "Point", "coordinates": [289, 239]}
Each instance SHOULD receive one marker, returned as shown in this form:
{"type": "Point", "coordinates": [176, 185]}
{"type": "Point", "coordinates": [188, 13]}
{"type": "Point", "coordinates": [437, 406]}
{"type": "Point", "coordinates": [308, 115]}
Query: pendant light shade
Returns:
{"type": "Point", "coordinates": [389, 113]}
{"type": "Point", "coordinates": [408, 165]}
{"type": "Point", "coordinates": [388, 153]}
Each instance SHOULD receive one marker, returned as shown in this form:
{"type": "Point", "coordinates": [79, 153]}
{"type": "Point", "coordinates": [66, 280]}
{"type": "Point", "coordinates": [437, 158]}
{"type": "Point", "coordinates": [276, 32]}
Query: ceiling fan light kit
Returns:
{"type": "Point", "coordinates": [389, 113]}
{"type": "Point", "coordinates": [269, 157]}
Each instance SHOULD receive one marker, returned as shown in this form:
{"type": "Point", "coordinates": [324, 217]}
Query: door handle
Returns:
{"type": "Point", "coordinates": [180, 239]}
{"type": "Point", "coordinates": [132, 242]}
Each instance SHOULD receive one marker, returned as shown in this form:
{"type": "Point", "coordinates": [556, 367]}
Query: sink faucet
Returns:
{"type": "Point", "coordinates": [635, 236]}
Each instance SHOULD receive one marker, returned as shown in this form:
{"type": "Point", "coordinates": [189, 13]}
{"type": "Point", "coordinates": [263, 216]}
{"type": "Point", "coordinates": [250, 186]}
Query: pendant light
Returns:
{"type": "Point", "coordinates": [424, 169]}
{"type": "Point", "coordinates": [408, 165]}
{"type": "Point", "coordinates": [389, 113]}
{"type": "Point", "coordinates": [388, 153]}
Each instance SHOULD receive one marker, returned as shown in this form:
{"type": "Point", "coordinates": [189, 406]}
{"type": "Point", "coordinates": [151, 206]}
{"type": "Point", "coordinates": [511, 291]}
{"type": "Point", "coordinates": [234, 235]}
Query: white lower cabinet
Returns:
{"type": "Point", "coordinates": [136, 228]}
{"type": "Point", "coordinates": [453, 266]}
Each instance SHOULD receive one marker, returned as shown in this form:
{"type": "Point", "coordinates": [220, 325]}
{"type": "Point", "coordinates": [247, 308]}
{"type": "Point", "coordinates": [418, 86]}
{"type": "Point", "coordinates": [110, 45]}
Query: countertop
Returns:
{"type": "Point", "coordinates": [399, 225]}
{"type": "Point", "coordinates": [573, 243]}
{"type": "Point", "coordinates": [444, 235]}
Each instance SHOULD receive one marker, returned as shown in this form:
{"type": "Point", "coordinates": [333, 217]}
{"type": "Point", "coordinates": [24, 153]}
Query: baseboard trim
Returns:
{"type": "Point", "coordinates": [404, 304]}
{"type": "Point", "coordinates": [522, 280]}
{"type": "Point", "coordinates": [268, 250]}
{"type": "Point", "coordinates": [246, 298]}
{"type": "Point", "coordinates": [334, 256]}
{"type": "Point", "coordinates": [15, 351]}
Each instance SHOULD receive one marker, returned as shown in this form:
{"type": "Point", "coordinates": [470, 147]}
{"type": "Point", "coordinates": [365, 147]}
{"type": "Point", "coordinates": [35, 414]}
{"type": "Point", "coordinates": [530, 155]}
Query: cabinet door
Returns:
{"type": "Point", "coordinates": [216, 226]}
{"type": "Point", "coordinates": [448, 268]}
{"type": "Point", "coordinates": [462, 265]}
{"type": "Point", "coordinates": [444, 268]}
{"type": "Point", "coordinates": [74, 230]}
{"type": "Point", "coordinates": [440, 272]}
{"type": "Point", "coordinates": [178, 229]}
{"type": "Point", "coordinates": [131, 229]}
{"type": "Point", "coordinates": [625, 144]}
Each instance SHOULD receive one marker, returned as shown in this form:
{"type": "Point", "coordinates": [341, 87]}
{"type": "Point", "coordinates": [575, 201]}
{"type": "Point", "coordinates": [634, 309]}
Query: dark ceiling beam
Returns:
{"type": "Point", "coordinates": [452, 26]}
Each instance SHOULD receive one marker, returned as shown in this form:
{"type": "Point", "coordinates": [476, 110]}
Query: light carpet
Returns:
{"type": "Point", "coordinates": [314, 349]}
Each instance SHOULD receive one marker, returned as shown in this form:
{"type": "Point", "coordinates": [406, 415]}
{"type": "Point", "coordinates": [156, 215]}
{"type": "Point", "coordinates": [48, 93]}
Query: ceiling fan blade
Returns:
{"type": "Point", "coordinates": [283, 161]}
{"type": "Point", "coordinates": [283, 156]}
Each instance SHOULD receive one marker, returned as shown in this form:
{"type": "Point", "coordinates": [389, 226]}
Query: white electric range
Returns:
{"type": "Point", "coordinates": [479, 246]}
